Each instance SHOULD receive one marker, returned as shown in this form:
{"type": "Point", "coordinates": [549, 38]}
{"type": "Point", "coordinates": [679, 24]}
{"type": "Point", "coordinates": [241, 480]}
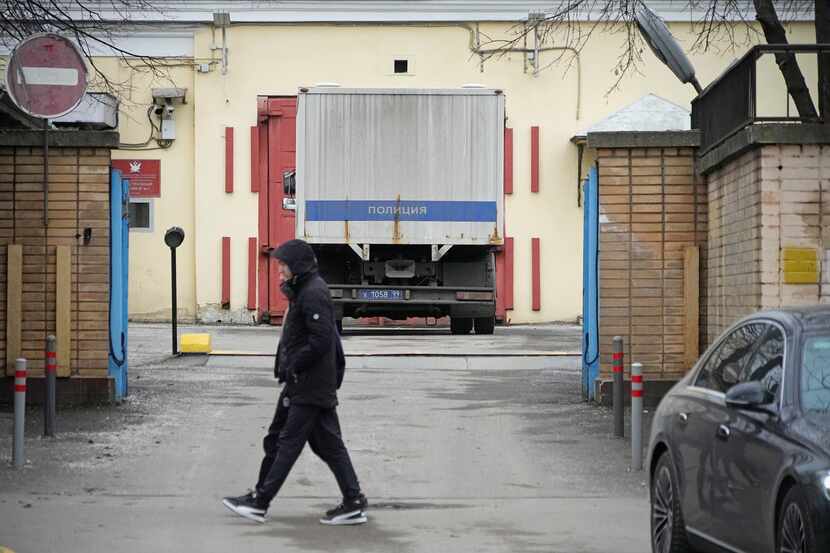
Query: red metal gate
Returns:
{"type": "Point", "coordinates": [277, 153]}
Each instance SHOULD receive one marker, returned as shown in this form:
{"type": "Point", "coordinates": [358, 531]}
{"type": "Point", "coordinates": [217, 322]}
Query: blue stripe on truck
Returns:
{"type": "Point", "coordinates": [389, 210]}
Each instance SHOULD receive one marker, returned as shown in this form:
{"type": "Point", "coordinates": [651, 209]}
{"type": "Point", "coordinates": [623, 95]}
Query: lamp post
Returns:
{"type": "Point", "coordinates": [174, 238]}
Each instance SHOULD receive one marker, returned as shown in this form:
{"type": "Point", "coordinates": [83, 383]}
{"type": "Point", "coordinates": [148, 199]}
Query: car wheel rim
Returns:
{"type": "Point", "coordinates": [793, 531]}
{"type": "Point", "coordinates": [662, 512]}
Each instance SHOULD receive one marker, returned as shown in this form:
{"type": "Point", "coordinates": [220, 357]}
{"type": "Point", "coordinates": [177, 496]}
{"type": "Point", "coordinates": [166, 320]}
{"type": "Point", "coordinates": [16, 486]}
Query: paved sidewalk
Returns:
{"type": "Point", "coordinates": [494, 454]}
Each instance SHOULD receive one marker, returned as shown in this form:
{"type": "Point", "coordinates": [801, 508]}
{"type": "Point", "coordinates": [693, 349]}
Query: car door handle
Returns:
{"type": "Point", "coordinates": [684, 418]}
{"type": "Point", "coordinates": [723, 432]}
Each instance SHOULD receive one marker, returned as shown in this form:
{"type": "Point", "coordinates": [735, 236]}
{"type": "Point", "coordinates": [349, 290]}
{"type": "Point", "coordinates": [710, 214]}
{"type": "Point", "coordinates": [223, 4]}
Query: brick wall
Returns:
{"type": "Point", "coordinates": [652, 209]}
{"type": "Point", "coordinates": [78, 199]}
{"type": "Point", "coordinates": [763, 202]}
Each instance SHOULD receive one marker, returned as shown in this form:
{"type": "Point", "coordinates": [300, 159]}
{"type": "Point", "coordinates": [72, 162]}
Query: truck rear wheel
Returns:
{"type": "Point", "coordinates": [461, 325]}
{"type": "Point", "coordinates": [485, 325]}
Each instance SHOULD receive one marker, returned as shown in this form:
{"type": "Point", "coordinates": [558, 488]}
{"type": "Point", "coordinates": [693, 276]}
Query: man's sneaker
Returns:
{"type": "Point", "coordinates": [246, 506]}
{"type": "Point", "coordinates": [351, 511]}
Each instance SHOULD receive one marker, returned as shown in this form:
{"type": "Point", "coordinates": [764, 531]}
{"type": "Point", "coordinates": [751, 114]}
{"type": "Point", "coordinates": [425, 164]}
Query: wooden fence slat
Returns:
{"type": "Point", "coordinates": [63, 308]}
{"type": "Point", "coordinates": [14, 311]}
{"type": "Point", "coordinates": [691, 297]}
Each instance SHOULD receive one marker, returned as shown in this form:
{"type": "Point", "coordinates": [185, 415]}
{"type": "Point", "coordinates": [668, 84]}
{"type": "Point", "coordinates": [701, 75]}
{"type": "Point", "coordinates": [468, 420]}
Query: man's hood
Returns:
{"type": "Point", "coordinates": [299, 257]}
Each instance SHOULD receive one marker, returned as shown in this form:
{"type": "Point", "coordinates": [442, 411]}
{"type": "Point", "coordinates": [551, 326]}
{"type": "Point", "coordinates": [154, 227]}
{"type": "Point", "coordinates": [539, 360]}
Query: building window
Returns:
{"type": "Point", "coordinates": [401, 66]}
{"type": "Point", "coordinates": [141, 215]}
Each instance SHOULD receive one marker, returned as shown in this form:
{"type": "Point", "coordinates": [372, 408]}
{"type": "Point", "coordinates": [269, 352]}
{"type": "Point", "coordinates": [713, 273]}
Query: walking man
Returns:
{"type": "Point", "coordinates": [310, 362]}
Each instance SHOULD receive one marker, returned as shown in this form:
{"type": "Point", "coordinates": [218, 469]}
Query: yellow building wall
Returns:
{"type": "Point", "coordinates": [277, 59]}
{"type": "Point", "coordinates": [149, 295]}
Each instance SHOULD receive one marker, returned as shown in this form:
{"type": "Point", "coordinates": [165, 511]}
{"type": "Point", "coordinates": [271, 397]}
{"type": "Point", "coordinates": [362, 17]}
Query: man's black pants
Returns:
{"type": "Point", "coordinates": [291, 428]}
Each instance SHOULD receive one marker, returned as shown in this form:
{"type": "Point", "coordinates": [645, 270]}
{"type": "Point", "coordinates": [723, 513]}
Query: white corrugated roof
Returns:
{"type": "Point", "coordinates": [651, 113]}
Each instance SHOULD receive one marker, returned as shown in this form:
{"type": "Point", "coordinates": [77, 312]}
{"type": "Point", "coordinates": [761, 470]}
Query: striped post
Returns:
{"type": "Point", "coordinates": [618, 391]}
{"type": "Point", "coordinates": [19, 413]}
{"type": "Point", "coordinates": [51, 374]}
{"type": "Point", "coordinates": [636, 416]}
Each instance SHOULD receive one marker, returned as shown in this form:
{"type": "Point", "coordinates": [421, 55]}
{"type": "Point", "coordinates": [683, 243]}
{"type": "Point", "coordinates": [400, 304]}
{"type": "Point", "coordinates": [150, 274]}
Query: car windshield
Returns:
{"type": "Point", "coordinates": [815, 374]}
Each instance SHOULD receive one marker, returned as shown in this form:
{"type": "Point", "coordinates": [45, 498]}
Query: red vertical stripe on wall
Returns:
{"type": "Point", "coordinates": [228, 159]}
{"type": "Point", "coordinates": [536, 278]}
{"type": "Point", "coordinates": [508, 161]}
{"type": "Point", "coordinates": [501, 314]}
{"type": "Point", "coordinates": [252, 259]}
{"type": "Point", "coordinates": [508, 273]}
{"type": "Point", "coordinates": [534, 159]}
{"type": "Point", "coordinates": [254, 159]}
{"type": "Point", "coordinates": [226, 272]}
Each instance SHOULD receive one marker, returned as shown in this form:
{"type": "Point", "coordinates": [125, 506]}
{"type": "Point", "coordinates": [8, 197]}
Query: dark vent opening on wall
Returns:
{"type": "Point", "coordinates": [401, 66]}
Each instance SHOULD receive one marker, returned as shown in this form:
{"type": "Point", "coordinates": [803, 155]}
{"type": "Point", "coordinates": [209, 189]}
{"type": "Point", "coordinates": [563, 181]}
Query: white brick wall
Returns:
{"type": "Point", "coordinates": [770, 198]}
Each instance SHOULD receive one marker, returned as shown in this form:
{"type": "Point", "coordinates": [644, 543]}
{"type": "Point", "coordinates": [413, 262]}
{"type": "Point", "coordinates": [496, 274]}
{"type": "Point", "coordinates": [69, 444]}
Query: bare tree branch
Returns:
{"type": "Point", "coordinates": [722, 25]}
{"type": "Point", "coordinates": [775, 34]}
{"type": "Point", "coordinates": [87, 24]}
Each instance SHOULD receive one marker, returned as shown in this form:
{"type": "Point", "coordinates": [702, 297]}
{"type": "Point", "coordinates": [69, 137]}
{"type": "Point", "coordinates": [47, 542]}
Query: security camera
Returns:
{"type": "Point", "coordinates": [168, 110]}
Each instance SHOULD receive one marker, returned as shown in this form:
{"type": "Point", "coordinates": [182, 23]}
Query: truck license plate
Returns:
{"type": "Point", "coordinates": [380, 294]}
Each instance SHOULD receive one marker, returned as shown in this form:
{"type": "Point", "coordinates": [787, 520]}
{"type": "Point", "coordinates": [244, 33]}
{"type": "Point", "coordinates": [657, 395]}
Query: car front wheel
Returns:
{"type": "Point", "coordinates": [795, 530]}
{"type": "Point", "coordinates": [668, 531]}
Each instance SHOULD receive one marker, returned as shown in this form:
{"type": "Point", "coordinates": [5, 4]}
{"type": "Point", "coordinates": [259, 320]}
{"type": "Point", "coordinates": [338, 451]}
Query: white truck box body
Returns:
{"type": "Point", "coordinates": [400, 166]}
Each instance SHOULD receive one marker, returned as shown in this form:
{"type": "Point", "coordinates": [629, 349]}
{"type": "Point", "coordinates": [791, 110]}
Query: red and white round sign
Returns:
{"type": "Point", "coordinates": [46, 76]}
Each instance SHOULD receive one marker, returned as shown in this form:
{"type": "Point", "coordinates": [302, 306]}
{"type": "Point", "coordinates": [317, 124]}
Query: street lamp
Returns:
{"type": "Point", "coordinates": [665, 47]}
{"type": "Point", "coordinates": [174, 238]}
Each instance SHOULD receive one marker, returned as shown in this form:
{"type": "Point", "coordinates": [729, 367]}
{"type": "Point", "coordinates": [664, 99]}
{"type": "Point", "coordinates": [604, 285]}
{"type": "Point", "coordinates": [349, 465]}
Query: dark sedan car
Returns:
{"type": "Point", "coordinates": [739, 456]}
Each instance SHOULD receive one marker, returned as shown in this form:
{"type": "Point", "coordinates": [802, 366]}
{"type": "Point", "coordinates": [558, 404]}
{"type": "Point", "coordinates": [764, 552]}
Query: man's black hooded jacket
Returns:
{"type": "Point", "coordinates": [309, 357]}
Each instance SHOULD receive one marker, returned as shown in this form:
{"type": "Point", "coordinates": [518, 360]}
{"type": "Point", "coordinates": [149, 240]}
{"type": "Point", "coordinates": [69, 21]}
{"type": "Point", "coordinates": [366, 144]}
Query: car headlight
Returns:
{"type": "Point", "coordinates": [826, 482]}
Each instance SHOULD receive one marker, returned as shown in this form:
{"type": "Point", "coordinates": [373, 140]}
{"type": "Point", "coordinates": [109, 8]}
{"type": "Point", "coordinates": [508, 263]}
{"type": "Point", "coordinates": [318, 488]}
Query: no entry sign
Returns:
{"type": "Point", "coordinates": [46, 76]}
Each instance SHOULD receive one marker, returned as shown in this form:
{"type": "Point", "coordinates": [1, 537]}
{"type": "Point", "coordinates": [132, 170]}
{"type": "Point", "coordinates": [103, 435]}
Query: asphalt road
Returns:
{"type": "Point", "coordinates": [461, 453]}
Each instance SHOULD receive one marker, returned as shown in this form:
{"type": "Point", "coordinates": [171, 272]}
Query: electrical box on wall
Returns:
{"type": "Point", "coordinates": [164, 99]}
{"type": "Point", "coordinates": [168, 124]}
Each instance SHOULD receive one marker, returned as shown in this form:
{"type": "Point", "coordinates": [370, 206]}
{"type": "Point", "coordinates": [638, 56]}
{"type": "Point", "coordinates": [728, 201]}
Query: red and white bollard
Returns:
{"type": "Point", "coordinates": [636, 416]}
{"type": "Point", "coordinates": [19, 413]}
{"type": "Point", "coordinates": [618, 398]}
{"type": "Point", "coordinates": [51, 375]}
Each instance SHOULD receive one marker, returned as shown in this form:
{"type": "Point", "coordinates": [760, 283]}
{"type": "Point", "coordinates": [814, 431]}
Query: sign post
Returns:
{"type": "Point", "coordinates": [46, 77]}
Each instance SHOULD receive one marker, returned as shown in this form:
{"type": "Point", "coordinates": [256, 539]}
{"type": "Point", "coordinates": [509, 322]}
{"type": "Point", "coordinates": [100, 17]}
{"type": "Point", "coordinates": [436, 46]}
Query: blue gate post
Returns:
{"type": "Point", "coordinates": [119, 275]}
{"type": "Point", "coordinates": [586, 215]}
{"type": "Point", "coordinates": [590, 286]}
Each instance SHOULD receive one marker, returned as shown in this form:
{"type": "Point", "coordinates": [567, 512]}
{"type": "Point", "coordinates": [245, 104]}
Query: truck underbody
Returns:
{"type": "Point", "coordinates": [402, 281]}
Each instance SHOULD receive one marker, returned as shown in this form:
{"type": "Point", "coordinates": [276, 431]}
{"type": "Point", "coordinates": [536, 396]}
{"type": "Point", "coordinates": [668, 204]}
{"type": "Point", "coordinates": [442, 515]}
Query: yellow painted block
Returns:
{"type": "Point", "coordinates": [800, 267]}
{"type": "Point", "coordinates": [799, 254]}
{"type": "Point", "coordinates": [195, 343]}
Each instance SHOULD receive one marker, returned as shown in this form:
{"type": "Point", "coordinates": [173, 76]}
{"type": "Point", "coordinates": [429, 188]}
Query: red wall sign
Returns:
{"type": "Point", "coordinates": [144, 176]}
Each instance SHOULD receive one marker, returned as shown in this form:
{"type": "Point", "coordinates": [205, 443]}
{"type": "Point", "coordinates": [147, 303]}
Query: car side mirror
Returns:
{"type": "Point", "coordinates": [750, 396]}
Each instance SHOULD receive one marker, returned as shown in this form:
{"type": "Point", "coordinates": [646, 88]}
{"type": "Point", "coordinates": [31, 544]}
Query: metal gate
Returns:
{"type": "Point", "coordinates": [590, 285]}
{"type": "Point", "coordinates": [119, 281]}
{"type": "Point", "coordinates": [277, 140]}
